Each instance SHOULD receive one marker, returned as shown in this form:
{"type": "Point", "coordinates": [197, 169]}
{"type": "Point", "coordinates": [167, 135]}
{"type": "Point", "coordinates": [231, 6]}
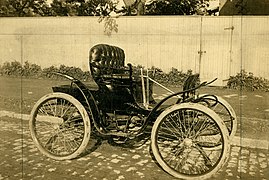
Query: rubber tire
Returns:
{"type": "Point", "coordinates": [209, 112]}
{"type": "Point", "coordinates": [86, 121]}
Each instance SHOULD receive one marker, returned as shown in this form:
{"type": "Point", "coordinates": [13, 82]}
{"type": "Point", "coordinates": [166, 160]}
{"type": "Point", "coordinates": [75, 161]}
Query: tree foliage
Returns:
{"type": "Point", "coordinates": [81, 7]}
{"type": "Point", "coordinates": [21, 8]}
{"type": "Point", "coordinates": [102, 8]}
{"type": "Point", "coordinates": [241, 6]}
{"type": "Point", "coordinates": [176, 7]}
{"type": "Point", "coordinates": [32, 8]}
{"type": "Point", "coordinates": [24, 8]}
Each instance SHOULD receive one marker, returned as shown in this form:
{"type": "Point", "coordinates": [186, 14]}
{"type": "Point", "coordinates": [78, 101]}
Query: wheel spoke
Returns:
{"type": "Point", "coordinates": [176, 133]}
{"type": "Point", "coordinates": [179, 122]}
{"type": "Point", "coordinates": [207, 159]}
{"type": "Point", "coordinates": [67, 109]}
{"type": "Point", "coordinates": [194, 122]}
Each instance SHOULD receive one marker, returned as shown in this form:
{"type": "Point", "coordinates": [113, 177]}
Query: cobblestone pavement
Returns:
{"type": "Point", "coordinates": [20, 159]}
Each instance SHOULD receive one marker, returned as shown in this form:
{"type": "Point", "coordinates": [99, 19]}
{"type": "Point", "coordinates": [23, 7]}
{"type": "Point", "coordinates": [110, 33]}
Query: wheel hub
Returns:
{"type": "Point", "coordinates": [187, 142]}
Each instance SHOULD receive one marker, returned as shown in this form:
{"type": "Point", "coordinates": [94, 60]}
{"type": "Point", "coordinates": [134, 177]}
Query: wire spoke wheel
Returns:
{"type": "Point", "coordinates": [224, 110]}
{"type": "Point", "coordinates": [60, 126]}
{"type": "Point", "coordinates": [190, 141]}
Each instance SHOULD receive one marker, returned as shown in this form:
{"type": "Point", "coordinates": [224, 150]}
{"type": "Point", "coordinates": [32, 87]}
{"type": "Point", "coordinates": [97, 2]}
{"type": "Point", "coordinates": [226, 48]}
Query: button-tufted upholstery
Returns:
{"type": "Point", "coordinates": [108, 70]}
{"type": "Point", "coordinates": [106, 59]}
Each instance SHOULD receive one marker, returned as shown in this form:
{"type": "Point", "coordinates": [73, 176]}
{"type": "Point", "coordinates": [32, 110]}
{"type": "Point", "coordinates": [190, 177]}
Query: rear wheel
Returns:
{"type": "Point", "coordinates": [60, 126]}
{"type": "Point", "coordinates": [224, 110]}
{"type": "Point", "coordinates": [190, 141]}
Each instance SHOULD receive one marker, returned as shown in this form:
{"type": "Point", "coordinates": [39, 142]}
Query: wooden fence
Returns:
{"type": "Point", "coordinates": [212, 46]}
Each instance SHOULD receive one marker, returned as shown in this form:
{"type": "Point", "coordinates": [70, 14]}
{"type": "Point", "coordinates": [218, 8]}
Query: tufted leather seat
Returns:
{"type": "Point", "coordinates": [106, 60]}
{"type": "Point", "coordinates": [108, 70]}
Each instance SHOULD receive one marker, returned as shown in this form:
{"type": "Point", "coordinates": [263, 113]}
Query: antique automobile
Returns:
{"type": "Point", "coordinates": [190, 138]}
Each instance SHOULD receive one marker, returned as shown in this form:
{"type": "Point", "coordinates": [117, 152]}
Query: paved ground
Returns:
{"type": "Point", "coordinates": [20, 159]}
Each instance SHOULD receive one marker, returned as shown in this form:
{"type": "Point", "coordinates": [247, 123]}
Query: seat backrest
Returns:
{"type": "Point", "coordinates": [191, 82]}
{"type": "Point", "coordinates": [105, 59]}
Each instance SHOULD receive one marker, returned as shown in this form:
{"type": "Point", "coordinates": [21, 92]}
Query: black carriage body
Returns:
{"type": "Point", "coordinates": [108, 99]}
{"type": "Point", "coordinates": [113, 87]}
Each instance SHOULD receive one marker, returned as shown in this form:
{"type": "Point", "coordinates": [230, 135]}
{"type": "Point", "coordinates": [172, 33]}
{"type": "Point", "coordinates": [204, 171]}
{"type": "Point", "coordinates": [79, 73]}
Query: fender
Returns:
{"type": "Point", "coordinates": [156, 110]}
{"type": "Point", "coordinates": [89, 101]}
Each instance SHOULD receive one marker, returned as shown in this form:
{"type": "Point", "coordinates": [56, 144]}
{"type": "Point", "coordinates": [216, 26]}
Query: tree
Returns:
{"type": "Point", "coordinates": [176, 7]}
{"type": "Point", "coordinates": [101, 8]}
{"type": "Point", "coordinates": [133, 8]}
{"type": "Point", "coordinates": [66, 7]}
{"type": "Point", "coordinates": [241, 5]}
{"type": "Point", "coordinates": [21, 8]}
{"type": "Point", "coordinates": [82, 7]}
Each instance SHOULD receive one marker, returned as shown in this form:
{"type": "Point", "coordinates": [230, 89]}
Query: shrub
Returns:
{"type": "Point", "coordinates": [72, 71]}
{"type": "Point", "coordinates": [48, 72]}
{"type": "Point", "coordinates": [16, 69]}
{"type": "Point", "coordinates": [173, 77]}
{"type": "Point", "coordinates": [247, 81]}
{"type": "Point", "coordinates": [12, 68]}
{"type": "Point", "coordinates": [31, 70]}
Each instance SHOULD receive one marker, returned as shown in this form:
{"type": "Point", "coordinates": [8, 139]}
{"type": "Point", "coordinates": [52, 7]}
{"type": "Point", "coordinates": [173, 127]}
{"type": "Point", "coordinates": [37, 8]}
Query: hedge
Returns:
{"type": "Point", "coordinates": [29, 70]}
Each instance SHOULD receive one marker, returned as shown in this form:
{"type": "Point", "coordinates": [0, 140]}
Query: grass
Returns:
{"type": "Point", "coordinates": [20, 95]}
{"type": "Point", "coordinates": [245, 103]}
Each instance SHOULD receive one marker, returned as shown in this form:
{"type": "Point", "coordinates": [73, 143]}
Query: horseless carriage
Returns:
{"type": "Point", "coordinates": [190, 139]}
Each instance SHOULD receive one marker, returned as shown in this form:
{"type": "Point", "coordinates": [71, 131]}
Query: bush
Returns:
{"type": "Point", "coordinates": [173, 77]}
{"type": "Point", "coordinates": [16, 69]}
{"type": "Point", "coordinates": [31, 70]}
{"type": "Point", "coordinates": [48, 72]}
{"type": "Point", "coordinates": [247, 81]}
{"type": "Point", "coordinates": [12, 68]}
{"type": "Point", "coordinates": [71, 71]}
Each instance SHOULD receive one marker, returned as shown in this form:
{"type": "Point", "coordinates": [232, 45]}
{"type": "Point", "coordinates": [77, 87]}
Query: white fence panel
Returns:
{"type": "Point", "coordinates": [163, 42]}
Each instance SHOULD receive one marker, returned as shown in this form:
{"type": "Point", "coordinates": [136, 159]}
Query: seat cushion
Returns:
{"type": "Point", "coordinates": [103, 58]}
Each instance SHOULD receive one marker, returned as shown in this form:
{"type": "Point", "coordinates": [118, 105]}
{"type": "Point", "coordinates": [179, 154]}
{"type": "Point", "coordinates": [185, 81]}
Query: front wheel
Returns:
{"type": "Point", "coordinates": [190, 141]}
{"type": "Point", "coordinates": [60, 126]}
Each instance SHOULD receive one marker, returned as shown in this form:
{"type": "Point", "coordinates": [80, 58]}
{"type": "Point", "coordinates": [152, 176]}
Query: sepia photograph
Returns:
{"type": "Point", "coordinates": [134, 89]}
